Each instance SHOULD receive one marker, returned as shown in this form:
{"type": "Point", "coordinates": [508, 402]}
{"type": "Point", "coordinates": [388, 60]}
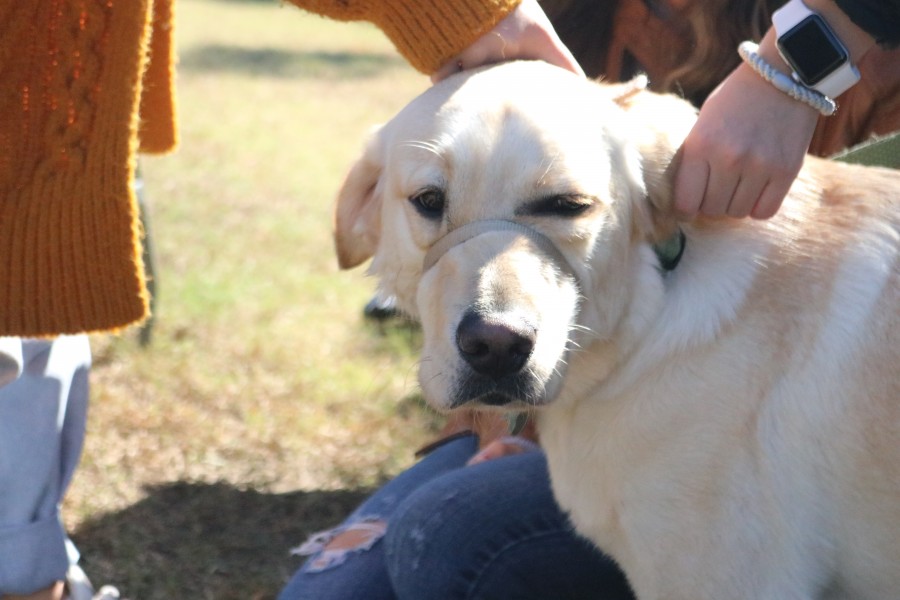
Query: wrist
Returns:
{"type": "Point", "coordinates": [819, 59]}
{"type": "Point", "coordinates": [780, 83]}
{"type": "Point", "coordinates": [768, 50]}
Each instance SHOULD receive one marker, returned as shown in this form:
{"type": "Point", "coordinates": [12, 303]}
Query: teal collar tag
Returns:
{"type": "Point", "coordinates": [669, 251]}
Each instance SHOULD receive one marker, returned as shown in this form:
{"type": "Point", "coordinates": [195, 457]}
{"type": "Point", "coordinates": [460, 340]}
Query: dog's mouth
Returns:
{"type": "Point", "coordinates": [520, 391]}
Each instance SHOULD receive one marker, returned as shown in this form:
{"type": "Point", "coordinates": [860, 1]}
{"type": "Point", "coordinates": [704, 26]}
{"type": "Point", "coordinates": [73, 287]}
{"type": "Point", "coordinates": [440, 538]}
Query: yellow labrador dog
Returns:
{"type": "Point", "coordinates": [719, 400]}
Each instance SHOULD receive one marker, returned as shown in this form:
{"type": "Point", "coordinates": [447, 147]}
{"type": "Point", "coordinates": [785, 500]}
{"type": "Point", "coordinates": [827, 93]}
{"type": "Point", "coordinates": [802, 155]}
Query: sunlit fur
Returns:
{"type": "Point", "coordinates": [730, 429]}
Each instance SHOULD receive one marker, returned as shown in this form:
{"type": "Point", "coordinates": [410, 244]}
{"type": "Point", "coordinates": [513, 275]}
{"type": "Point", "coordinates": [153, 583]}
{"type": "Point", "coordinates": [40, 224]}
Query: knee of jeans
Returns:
{"type": "Point", "coordinates": [407, 565]}
{"type": "Point", "coordinates": [331, 548]}
{"type": "Point", "coordinates": [420, 544]}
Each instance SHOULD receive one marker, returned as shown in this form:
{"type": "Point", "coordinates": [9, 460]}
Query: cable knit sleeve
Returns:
{"type": "Point", "coordinates": [157, 132]}
{"type": "Point", "coordinates": [70, 240]}
{"type": "Point", "coordinates": [85, 85]}
{"type": "Point", "coordinates": [425, 32]}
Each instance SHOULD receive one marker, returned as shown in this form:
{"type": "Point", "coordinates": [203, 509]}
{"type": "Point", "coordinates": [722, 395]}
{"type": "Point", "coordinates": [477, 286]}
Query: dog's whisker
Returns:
{"type": "Point", "coordinates": [549, 167]}
{"type": "Point", "coordinates": [428, 146]}
{"type": "Point", "coordinates": [437, 375]}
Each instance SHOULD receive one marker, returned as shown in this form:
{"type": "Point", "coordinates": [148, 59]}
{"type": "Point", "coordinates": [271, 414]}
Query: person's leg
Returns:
{"type": "Point", "coordinates": [347, 562]}
{"type": "Point", "coordinates": [42, 422]}
{"type": "Point", "coordinates": [493, 531]}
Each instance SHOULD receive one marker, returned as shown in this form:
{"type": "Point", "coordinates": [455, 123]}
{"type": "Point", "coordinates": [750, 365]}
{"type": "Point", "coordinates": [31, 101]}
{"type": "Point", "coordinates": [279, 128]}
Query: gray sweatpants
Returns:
{"type": "Point", "coordinates": [43, 413]}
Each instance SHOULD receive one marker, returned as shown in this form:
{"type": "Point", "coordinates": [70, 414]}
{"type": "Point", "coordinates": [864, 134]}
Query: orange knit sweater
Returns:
{"type": "Point", "coordinates": [86, 85]}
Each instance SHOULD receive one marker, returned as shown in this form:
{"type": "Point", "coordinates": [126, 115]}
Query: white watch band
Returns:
{"type": "Point", "coordinates": [836, 83]}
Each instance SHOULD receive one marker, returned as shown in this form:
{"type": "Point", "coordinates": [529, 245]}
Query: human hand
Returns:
{"type": "Point", "coordinates": [526, 33]}
{"type": "Point", "coordinates": [505, 446]}
{"type": "Point", "coordinates": [745, 150]}
{"type": "Point", "coordinates": [10, 359]}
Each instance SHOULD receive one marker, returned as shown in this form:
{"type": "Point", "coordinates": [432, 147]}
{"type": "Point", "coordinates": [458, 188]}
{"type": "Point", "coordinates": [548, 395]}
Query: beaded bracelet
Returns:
{"type": "Point", "coordinates": [784, 83]}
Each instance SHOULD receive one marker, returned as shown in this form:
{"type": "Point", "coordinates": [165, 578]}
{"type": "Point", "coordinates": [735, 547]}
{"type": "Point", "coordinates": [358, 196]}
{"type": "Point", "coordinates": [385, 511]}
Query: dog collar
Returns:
{"type": "Point", "coordinates": [468, 231]}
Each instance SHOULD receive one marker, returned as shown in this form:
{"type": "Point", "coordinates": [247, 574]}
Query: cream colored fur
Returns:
{"type": "Point", "coordinates": [730, 429]}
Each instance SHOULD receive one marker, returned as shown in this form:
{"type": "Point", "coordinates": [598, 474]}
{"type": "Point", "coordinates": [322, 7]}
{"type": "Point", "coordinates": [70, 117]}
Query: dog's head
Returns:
{"type": "Point", "coordinates": [512, 210]}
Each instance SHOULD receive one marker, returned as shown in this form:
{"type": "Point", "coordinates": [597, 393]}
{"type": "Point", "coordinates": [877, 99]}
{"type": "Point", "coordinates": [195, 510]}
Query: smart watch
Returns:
{"type": "Point", "coordinates": [819, 59]}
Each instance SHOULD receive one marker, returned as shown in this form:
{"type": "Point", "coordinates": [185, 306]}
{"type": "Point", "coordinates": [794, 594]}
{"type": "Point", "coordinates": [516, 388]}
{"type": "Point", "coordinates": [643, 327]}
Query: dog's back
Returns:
{"type": "Point", "coordinates": [756, 425]}
{"type": "Point", "coordinates": [853, 372]}
{"type": "Point", "coordinates": [727, 429]}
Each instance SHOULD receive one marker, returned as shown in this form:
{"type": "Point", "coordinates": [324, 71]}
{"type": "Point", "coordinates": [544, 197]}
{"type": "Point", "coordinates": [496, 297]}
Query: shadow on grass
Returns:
{"type": "Point", "coordinates": [199, 540]}
{"type": "Point", "coordinates": [280, 63]}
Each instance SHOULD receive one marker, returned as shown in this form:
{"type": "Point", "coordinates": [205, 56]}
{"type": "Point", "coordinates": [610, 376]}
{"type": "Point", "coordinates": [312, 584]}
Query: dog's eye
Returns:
{"type": "Point", "coordinates": [429, 202]}
{"type": "Point", "coordinates": [561, 205]}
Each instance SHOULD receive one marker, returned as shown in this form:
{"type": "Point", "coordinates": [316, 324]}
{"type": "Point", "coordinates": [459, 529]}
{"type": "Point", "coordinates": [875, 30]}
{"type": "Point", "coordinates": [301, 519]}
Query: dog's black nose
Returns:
{"type": "Point", "coordinates": [494, 347]}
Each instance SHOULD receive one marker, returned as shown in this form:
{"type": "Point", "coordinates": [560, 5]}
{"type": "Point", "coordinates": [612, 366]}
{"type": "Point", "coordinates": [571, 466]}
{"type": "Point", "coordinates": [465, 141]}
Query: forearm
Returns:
{"type": "Point", "coordinates": [425, 32]}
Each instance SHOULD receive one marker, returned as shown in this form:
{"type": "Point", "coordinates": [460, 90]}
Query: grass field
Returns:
{"type": "Point", "coordinates": [264, 407]}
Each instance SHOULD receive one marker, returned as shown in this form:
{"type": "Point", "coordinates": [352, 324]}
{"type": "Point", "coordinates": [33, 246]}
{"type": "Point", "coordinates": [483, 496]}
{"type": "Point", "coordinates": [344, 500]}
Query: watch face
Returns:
{"type": "Point", "coordinates": [812, 50]}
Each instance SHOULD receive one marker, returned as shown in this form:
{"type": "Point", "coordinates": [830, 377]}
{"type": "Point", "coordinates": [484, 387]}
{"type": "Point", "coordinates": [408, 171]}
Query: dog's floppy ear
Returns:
{"type": "Point", "coordinates": [357, 216]}
{"type": "Point", "coordinates": [664, 121]}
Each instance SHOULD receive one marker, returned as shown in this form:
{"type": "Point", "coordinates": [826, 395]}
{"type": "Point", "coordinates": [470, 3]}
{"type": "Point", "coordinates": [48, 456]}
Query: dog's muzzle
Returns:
{"type": "Point", "coordinates": [466, 232]}
{"type": "Point", "coordinates": [497, 346]}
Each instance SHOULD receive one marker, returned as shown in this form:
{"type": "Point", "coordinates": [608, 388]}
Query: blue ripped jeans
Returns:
{"type": "Point", "coordinates": [490, 531]}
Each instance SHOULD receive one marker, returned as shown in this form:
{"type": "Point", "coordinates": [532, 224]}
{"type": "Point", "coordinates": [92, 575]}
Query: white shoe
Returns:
{"type": "Point", "coordinates": [107, 592]}
{"type": "Point", "coordinates": [78, 587]}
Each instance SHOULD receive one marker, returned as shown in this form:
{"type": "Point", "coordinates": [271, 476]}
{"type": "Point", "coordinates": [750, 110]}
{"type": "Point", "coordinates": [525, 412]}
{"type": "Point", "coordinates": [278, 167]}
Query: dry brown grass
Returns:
{"type": "Point", "coordinates": [264, 407]}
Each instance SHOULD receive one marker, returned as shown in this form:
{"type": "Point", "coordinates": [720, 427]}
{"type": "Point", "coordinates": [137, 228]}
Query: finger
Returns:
{"type": "Point", "coordinates": [454, 65]}
{"type": "Point", "coordinates": [506, 446]}
{"type": "Point", "coordinates": [482, 456]}
{"type": "Point", "coordinates": [568, 63]}
{"type": "Point", "coordinates": [720, 189]}
{"type": "Point", "coordinates": [770, 200]}
{"type": "Point", "coordinates": [490, 48]}
{"type": "Point", "coordinates": [493, 450]}
{"type": "Point", "coordinates": [538, 39]}
{"type": "Point", "coordinates": [745, 197]}
{"type": "Point", "coordinates": [560, 56]}
{"type": "Point", "coordinates": [690, 185]}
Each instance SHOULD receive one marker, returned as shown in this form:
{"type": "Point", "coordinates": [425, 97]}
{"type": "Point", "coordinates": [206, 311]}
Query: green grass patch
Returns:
{"type": "Point", "coordinates": [265, 406]}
